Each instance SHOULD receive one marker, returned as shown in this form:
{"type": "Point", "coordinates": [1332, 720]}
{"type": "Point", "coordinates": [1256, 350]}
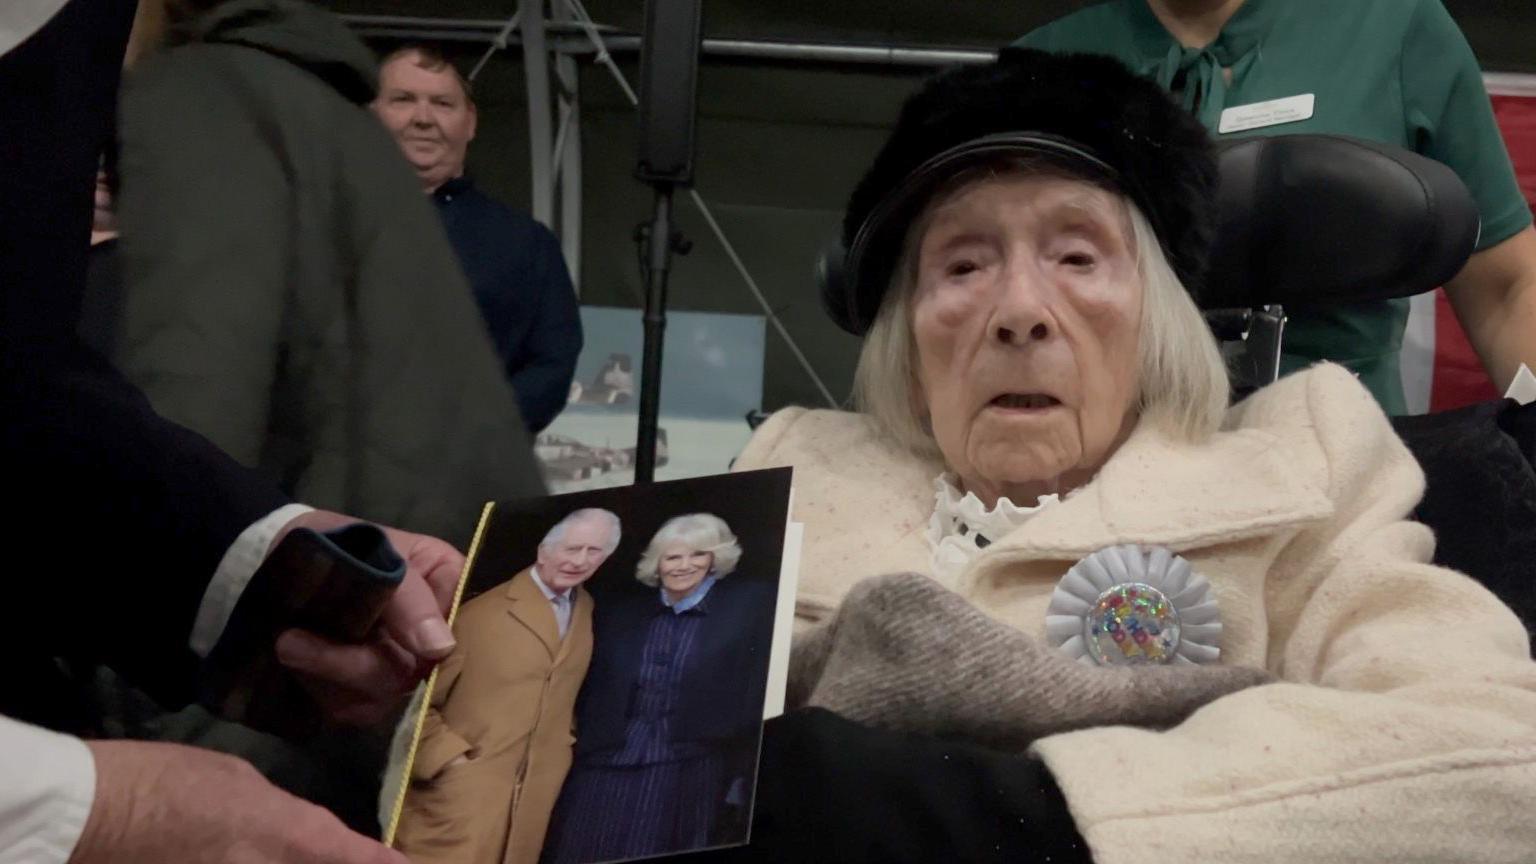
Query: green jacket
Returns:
{"type": "Point", "coordinates": [288, 289]}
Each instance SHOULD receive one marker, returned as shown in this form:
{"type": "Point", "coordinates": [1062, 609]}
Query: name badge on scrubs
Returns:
{"type": "Point", "coordinates": [1257, 115]}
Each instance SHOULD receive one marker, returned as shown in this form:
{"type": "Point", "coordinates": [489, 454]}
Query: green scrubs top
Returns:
{"type": "Point", "coordinates": [1394, 71]}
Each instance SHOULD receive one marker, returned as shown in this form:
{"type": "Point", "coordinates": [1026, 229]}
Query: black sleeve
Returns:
{"type": "Point", "coordinates": [830, 790]}
{"type": "Point", "coordinates": [125, 516]}
{"type": "Point", "coordinates": [541, 372]}
{"type": "Point", "coordinates": [1480, 495]}
{"type": "Point", "coordinates": [117, 518]}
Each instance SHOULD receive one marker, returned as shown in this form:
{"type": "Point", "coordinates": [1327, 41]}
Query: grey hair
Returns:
{"type": "Point", "coordinates": [1183, 386]}
{"type": "Point", "coordinates": [702, 532]}
{"type": "Point", "coordinates": [615, 527]}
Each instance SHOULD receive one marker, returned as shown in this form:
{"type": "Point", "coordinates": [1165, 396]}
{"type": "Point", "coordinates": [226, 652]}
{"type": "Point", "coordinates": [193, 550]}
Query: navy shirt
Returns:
{"type": "Point", "coordinates": [518, 274]}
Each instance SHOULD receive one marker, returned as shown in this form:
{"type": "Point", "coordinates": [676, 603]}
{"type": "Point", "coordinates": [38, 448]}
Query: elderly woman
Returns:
{"type": "Point", "coordinates": [1196, 633]}
{"type": "Point", "coordinates": [669, 715]}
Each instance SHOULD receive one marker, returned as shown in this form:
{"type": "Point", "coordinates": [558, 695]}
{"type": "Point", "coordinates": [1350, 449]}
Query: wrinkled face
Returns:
{"type": "Point", "coordinates": [682, 568]}
{"type": "Point", "coordinates": [572, 559]}
{"type": "Point", "coordinates": [1026, 316]}
{"type": "Point", "coordinates": [429, 114]}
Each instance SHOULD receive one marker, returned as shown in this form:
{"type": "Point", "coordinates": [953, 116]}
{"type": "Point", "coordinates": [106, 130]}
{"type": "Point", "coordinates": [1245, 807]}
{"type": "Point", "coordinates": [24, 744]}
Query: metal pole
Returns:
{"type": "Point", "coordinates": [481, 29]}
{"type": "Point", "coordinates": [499, 43]}
{"type": "Point", "coordinates": [540, 137]}
{"type": "Point", "coordinates": [658, 261]}
{"type": "Point", "coordinates": [569, 165]}
{"type": "Point", "coordinates": [606, 59]}
{"type": "Point", "coordinates": [565, 171]}
{"type": "Point", "coordinates": [402, 26]}
{"type": "Point", "coordinates": [470, 29]}
{"type": "Point", "coordinates": [584, 21]}
{"type": "Point", "coordinates": [757, 294]}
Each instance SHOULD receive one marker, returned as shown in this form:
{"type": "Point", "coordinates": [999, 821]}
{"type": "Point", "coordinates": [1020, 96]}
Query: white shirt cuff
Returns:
{"type": "Point", "coordinates": [45, 798]}
{"type": "Point", "coordinates": [235, 571]}
{"type": "Point", "coordinates": [20, 19]}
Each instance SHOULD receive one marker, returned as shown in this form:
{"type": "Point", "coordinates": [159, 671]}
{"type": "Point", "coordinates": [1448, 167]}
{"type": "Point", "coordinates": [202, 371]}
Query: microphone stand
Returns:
{"type": "Point", "coordinates": [669, 56]}
{"type": "Point", "coordinates": [660, 242]}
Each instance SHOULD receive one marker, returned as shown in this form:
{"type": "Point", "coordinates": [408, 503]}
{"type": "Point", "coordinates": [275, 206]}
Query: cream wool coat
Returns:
{"type": "Point", "coordinates": [1403, 727]}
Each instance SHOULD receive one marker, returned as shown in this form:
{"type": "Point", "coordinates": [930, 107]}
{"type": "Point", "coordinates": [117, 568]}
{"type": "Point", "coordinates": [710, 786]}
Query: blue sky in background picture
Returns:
{"type": "Point", "coordinates": [712, 364]}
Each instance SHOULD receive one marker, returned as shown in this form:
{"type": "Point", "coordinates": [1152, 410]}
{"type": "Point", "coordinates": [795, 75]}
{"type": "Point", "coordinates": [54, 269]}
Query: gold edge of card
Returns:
{"type": "Point", "coordinates": [421, 712]}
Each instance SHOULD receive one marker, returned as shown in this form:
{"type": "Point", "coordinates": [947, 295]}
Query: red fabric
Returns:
{"type": "Point", "coordinates": [1459, 375]}
{"type": "Point", "coordinates": [1459, 378]}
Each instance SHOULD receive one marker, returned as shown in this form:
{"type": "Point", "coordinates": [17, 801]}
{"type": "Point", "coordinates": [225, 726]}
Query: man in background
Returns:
{"type": "Point", "coordinates": [275, 257]}
{"type": "Point", "coordinates": [513, 263]}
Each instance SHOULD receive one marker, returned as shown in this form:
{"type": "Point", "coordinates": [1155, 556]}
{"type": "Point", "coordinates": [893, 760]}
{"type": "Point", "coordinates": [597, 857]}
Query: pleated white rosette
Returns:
{"type": "Point", "coordinates": [1128, 605]}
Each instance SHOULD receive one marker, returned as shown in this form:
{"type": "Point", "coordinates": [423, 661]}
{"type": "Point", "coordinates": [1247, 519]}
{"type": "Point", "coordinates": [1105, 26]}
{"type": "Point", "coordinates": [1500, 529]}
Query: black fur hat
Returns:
{"type": "Point", "coordinates": [1087, 112]}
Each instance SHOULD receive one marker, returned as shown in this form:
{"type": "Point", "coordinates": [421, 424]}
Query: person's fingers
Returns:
{"type": "Point", "coordinates": [414, 617]}
{"type": "Point", "coordinates": [158, 803]}
{"type": "Point", "coordinates": [386, 855]}
{"type": "Point", "coordinates": [436, 561]}
{"type": "Point", "coordinates": [344, 846]}
{"type": "Point", "coordinates": [414, 614]}
{"type": "Point", "coordinates": [354, 684]}
{"type": "Point", "coordinates": [321, 838]}
{"type": "Point", "coordinates": [443, 576]}
{"type": "Point", "coordinates": [365, 667]}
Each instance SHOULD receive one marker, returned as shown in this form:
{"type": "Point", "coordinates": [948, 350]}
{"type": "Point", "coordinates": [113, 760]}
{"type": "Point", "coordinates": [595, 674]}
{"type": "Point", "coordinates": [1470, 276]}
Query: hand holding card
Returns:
{"type": "Point", "coordinates": [365, 684]}
{"type": "Point", "coordinates": [656, 604]}
{"type": "Point", "coordinates": [355, 622]}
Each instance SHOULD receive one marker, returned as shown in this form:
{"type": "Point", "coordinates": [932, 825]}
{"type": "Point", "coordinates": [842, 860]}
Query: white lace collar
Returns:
{"type": "Point", "coordinates": [961, 526]}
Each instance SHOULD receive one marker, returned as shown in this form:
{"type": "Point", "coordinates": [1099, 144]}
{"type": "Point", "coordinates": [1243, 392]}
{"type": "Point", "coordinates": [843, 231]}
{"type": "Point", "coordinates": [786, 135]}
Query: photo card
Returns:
{"type": "Point", "coordinates": [606, 697]}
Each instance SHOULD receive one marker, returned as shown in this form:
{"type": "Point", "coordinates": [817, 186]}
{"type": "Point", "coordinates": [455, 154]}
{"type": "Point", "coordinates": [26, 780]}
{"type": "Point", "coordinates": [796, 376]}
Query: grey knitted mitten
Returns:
{"type": "Point", "coordinates": [906, 654]}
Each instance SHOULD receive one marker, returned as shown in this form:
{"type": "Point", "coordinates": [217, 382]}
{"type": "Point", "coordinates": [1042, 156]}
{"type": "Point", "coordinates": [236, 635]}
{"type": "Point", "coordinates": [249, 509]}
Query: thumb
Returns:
{"type": "Point", "coordinates": [381, 854]}
{"type": "Point", "coordinates": [415, 620]}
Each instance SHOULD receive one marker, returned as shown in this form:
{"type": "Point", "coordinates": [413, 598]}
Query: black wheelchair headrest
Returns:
{"type": "Point", "coordinates": [1312, 219]}
{"type": "Point", "coordinates": [1324, 219]}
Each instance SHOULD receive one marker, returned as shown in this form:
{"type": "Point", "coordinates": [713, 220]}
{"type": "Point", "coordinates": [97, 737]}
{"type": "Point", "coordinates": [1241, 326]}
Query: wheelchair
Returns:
{"type": "Point", "coordinates": [1314, 219]}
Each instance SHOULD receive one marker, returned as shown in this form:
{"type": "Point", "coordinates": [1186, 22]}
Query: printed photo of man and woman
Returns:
{"type": "Point", "coordinates": [605, 700]}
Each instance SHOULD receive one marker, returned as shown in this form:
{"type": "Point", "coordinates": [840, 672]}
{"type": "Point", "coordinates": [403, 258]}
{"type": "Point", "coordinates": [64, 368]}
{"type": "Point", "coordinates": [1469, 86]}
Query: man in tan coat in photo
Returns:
{"type": "Point", "coordinates": [496, 743]}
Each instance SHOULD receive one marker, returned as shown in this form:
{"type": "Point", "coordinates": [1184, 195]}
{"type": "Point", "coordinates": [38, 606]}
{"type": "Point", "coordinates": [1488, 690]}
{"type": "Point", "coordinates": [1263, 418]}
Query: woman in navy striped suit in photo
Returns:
{"type": "Point", "coordinates": [670, 714]}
